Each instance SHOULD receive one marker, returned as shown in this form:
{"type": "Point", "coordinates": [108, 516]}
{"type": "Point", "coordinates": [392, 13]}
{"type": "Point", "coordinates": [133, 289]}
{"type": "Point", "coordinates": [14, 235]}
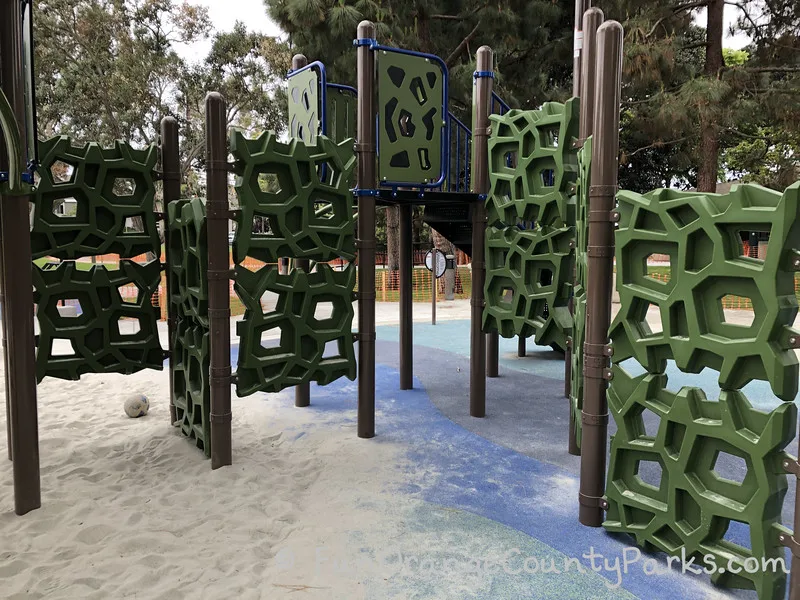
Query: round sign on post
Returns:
{"type": "Point", "coordinates": [441, 262]}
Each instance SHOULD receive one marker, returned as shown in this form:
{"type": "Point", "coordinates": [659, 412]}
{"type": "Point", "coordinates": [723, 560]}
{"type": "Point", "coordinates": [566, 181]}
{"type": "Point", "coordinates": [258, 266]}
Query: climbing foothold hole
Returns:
{"type": "Point", "coordinates": [65, 208]}
{"type": "Point", "coordinates": [124, 187]}
{"type": "Point", "coordinates": [737, 310]}
{"type": "Point", "coordinates": [730, 467]}
{"type": "Point", "coordinates": [269, 183]}
{"type": "Point", "coordinates": [129, 293]}
{"type": "Point", "coordinates": [62, 172]}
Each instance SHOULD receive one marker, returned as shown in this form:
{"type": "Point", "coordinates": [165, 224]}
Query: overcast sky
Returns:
{"type": "Point", "coordinates": [224, 13]}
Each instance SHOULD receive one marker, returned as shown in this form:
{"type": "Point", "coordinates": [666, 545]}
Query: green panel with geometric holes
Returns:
{"type": "Point", "coordinates": [92, 200]}
{"type": "Point", "coordinates": [306, 335]}
{"type": "Point", "coordinates": [411, 121]}
{"type": "Point", "coordinates": [700, 233]}
{"type": "Point", "coordinates": [305, 120]}
{"type": "Point", "coordinates": [680, 487]}
{"type": "Point", "coordinates": [109, 321]}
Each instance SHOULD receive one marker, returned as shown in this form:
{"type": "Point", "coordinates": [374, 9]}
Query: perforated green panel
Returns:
{"type": "Point", "coordinates": [112, 188]}
{"type": "Point", "coordinates": [101, 339]}
{"type": "Point", "coordinates": [342, 109]}
{"type": "Point", "coordinates": [304, 106]}
{"type": "Point", "coordinates": [188, 264]}
{"type": "Point", "coordinates": [700, 233]}
{"type": "Point", "coordinates": [533, 165]}
{"type": "Point", "coordinates": [533, 172]}
{"type": "Point", "coordinates": [579, 290]}
{"type": "Point", "coordinates": [282, 183]}
{"type": "Point", "coordinates": [528, 275]}
{"type": "Point", "coordinates": [683, 501]}
{"type": "Point", "coordinates": [191, 391]}
{"type": "Point", "coordinates": [410, 118]}
{"type": "Point", "coordinates": [188, 273]}
{"type": "Point", "coordinates": [314, 316]}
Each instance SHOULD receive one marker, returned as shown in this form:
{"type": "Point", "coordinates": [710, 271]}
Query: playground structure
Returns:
{"type": "Point", "coordinates": [530, 195]}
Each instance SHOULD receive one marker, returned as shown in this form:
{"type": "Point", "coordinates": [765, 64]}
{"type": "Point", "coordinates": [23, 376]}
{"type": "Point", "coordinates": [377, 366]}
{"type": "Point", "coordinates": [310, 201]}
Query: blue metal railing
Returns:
{"type": "Point", "coordinates": [460, 143]}
{"type": "Point", "coordinates": [499, 107]}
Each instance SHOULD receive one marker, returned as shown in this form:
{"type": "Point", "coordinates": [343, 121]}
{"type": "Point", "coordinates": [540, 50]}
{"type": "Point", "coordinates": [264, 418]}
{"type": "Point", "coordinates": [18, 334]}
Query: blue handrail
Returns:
{"type": "Point", "coordinates": [460, 144]}
{"type": "Point", "coordinates": [499, 107]}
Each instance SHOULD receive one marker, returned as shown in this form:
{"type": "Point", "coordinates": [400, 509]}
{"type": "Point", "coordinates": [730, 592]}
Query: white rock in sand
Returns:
{"type": "Point", "coordinates": [136, 405]}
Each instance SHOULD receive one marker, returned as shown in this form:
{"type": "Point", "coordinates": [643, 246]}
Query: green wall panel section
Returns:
{"type": "Point", "coordinates": [683, 501]}
{"type": "Point", "coordinates": [100, 342]}
{"type": "Point", "coordinates": [579, 290]}
{"type": "Point", "coordinates": [700, 233]}
{"type": "Point", "coordinates": [188, 287]}
{"type": "Point", "coordinates": [533, 165]}
{"type": "Point", "coordinates": [410, 118]}
{"type": "Point", "coordinates": [304, 106]}
{"type": "Point", "coordinates": [531, 212]}
{"type": "Point", "coordinates": [528, 275]}
{"type": "Point", "coordinates": [314, 316]}
{"type": "Point", "coordinates": [282, 183]}
{"type": "Point", "coordinates": [112, 187]}
{"type": "Point", "coordinates": [342, 112]}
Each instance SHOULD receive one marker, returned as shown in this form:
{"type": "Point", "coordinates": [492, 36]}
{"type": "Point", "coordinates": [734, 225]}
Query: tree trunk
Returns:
{"type": "Point", "coordinates": [709, 134]}
{"type": "Point", "coordinates": [393, 244]}
{"type": "Point", "coordinates": [442, 243]}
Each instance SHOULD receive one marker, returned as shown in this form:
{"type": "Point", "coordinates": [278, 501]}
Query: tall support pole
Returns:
{"type": "Point", "coordinates": [367, 180]}
{"type": "Point", "coordinates": [433, 285]}
{"type": "Point", "coordinates": [406, 299]}
{"type": "Point", "coordinates": [219, 298]}
{"type": "Point", "coordinates": [302, 392]}
{"type": "Point", "coordinates": [600, 256]}
{"type": "Point", "coordinates": [171, 176]}
{"type": "Point", "coordinates": [579, 45]}
{"type": "Point", "coordinates": [579, 54]}
{"type": "Point", "coordinates": [522, 346]}
{"type": "Point", "coordinates": [18, 287]}
{"type": "Point", "coordinates": [492, 354]}
{"type": "Point", "coordinates": [5, 356]}
{"type": "Point", "coordinates": [481, 101]}
{"type": "Point", "coordinates": [592, 19]}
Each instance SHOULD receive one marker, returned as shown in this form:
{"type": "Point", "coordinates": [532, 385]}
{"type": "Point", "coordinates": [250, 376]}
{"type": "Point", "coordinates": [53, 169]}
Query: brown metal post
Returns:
{"type": "Point", "coordinates": [171, 176]}
{"type": "Point", "coordinates": [592, 19]}
{"type": "Point", "coordinates": [302, 392]}
{"type": "Point", "coordinates": [18, 287]}
{"type": "Point", "coordinates": [600, 256]}
{"type": "Point", "coordinates": [5, 355]}
{"type": "Point", "coordinates": [406, 299]}
{"type": "Point", "coordinates": [481, 99]}
{"type": "Point", "coordinates": [367, 180]}
{"type": "Point", "coordinates": [579, 50]}
{"type": "Point", "coordinates": [522, 346]}
{"type": "Point", "coordinates": [492, 354]}
{"type": "Point", "coordinates": [219, 299]}
{"type": "Point", "coordinates": [579, 43]}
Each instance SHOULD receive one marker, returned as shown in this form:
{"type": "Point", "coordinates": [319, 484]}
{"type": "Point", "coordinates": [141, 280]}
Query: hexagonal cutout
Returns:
{"type": "Point", "coordinates": [332, 349]}
{"type": "Point", "coordinates": [689, 512]}
{"type": "Point", "coordinates": [129, 293]}
{"type": "Point", "coordinates": [65, 208]}
{"type": "Point", "coordinates": [134, 224]}
{"type": "Point", "coordinates": [268, 181]}
{"type": "Point", "coordinates": [545, 277]}
{"type": "Point", "coordinates": [748, 244]}
{"type": "Point", "coordinates": [323, 310]}
{"type": "Point", "coordinates": [651, 422]}
{"type": "Point", "coordinates": [123, 187]}
{"type": "Point", "coordinates": [651, 322]}
{"type": "Point", "coordinates": [62, 172]}
{"type": "Point", "coordinates": [62, 347]}
{"type": "Point", "coordinates": [738, 534]}
{"type": "Point", "coordinates": [699, 250]}
{"type": "Point", "coordinates": [683, 215]}
{"type": "Point", "coordinates": [548, 177]}
{"type": "Point", "coordinates": [510, 159]}
{"type": "Point", "coordinates": [507, 295]}
{"type": "Point", "coordinates": [129, 326]}
{"type": "Point", "coordinates": [744, 316]}
{"type": "Point", "coordinates": [550, 136]}
{"type": "Point", "coordinates": [329, 174]}
{"type": "Point", "coordinates": [655, 270]}
{"type": "Point", "coordinates": [69, 308]}
{"type": "Point", "coordinates": [269, 301]}
{"type": "Point", "coordinates": [729, 468]}
{"type": "Point", "coordinates": [649, 473]}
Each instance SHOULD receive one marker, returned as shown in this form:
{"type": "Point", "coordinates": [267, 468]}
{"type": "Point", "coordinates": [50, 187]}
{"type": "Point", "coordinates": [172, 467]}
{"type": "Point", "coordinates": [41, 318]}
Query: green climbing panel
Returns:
{"type": "Point", "coordinates": [115, 330]}
{"type": "Point", "coordinates": [701, 235]}
{"type": "Point", "coordinates": [533, 172]}
{"type": "Point", "coordinates": [533, 166]}
{"type": "Point", "coordinates": [342, 110]}
{"type": "Point", "coordinates": [188, 248]}
{"type": "Point", "coordinates": [191, 391]}
{"type": "Point", "coordinates": [282, 183]}
{"type": "Point", "coordinates": [188, 288]}
{"type": "Point", "coordinates": [305, 119]}
{"type": "Point", "coordinates": [670, 488]}
{"type": "Point", "coordinates": [313, 317]}
{"type": "Point", "coordinates": [528, 278]}
{"type": "Point", "coordinates": [579, 291]}
{"type": "Point", "coordinates": [411, 118]}
{"type": "Point", "coordinates": [114, 192]}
